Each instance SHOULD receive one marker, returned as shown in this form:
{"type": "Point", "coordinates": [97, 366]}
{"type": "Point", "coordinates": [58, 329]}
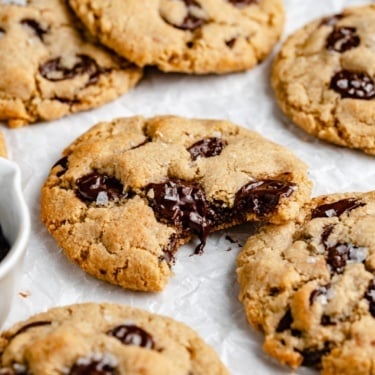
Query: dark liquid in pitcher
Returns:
{"type": "Point", "coordinates": [4, 246]}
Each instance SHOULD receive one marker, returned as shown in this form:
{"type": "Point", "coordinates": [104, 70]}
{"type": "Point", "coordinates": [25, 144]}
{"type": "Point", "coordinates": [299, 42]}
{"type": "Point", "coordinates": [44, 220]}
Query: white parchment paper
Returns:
{"type": "Point", "coordinates": [203, 292]}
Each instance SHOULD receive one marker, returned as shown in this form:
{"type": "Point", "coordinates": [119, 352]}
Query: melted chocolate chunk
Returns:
{"type": "Point", "coordinates": [191, 20]}
{"type": "Point", "coordinates": [4, 246]}
{"type": "Point", "coordinates": [35, 26]}
{"type": "Point", "coordinates": [353, 85]}
{"type": "Point", "coordinates": [63, 163]}
{"type": "Point", "coordinates": [285, 322]}
{"type": "Point", "coordinates": [207, 148]}
{"type": "Point", "coordinates": [342, 39]}
{"type": "Point", "coordinates": [336, 208]}
{"type": "Point", "coordinates": [370, 296]}
{"type": "Point", "coordinates": [262, 197]}
{"type": "Point", "coordinates": [170, 250]}
{"type": "Point", "coordinates": [327, 230]}
{"type": "Point", "coordinates": [331, 21]}
{"type": "Point", "coordinates": [132, 335]}
{"type": "Point", "coordinates": [326, 320]}
{"type": "Point", "coordinates": [100, 188]}
{"type": "Point", "coordinates": [54, 70]}
{"type": "Point", "coordinates": [94, 367]}
{"type": "Point", "coordinates": [313, 357]}
{"type": "Point", "coordinates": [182, 204]}
{"type": "Point", "coordinates": [242, 3]}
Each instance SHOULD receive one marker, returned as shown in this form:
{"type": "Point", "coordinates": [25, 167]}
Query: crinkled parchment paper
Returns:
{"type": "Point", "coordinates": [203, 292]}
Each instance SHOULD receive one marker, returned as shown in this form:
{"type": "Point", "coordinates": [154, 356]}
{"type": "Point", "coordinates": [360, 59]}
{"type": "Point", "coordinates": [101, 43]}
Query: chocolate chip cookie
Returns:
{"type": "Point", "coordinates": [309, 285]}
{"type": "Point", "coordinates": [105, 339]}
{"type": "Point", "coordinates": [324, 78]}
{"type": "Point", "coordinates": [191, 36]}
{"type": "Point", "coordinates": [127, 193]}
{"type": "Point", "coordinates": [50, 67]}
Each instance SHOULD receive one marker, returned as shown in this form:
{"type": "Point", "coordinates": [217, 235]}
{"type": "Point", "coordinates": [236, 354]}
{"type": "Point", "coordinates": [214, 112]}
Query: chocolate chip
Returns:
{"type": "Point", "coordinates": [231, 42]}
{"type": "Point", "coordinates": [285, 322]}
{"type": "Point", "coordinates": [99, 188]}
{"type": "Point", "coordinates": [182, 204]}
{"type": "Point", "coordinates": [132, 335]}
{"type": "Point", "coordinates": [313, 357]}
{"type": "Point", "coordinates": [262, 197]}
{"type": "Point", "coordinates": [370, 296]}
{"type": "Point", "coordinates": [336, 208]}
{"type": "Point", "coordinates": [191, 21]}
{"type": "Point", "coordinates": [342, 39]}
{"type": "Point", "coordinates": [353, 85]}
{"type": "Point", "coordinates": [327, 230]}
{"type": "Point", "coordinates": [93, 367]}
{"type": "Point", "coordinates": [4, 245]}
{"type": "Point", "coordinates": [35, 26]}
{"type": "Point", "coordinates": [207, 148]}
{"type": "Point", "coordinates": [331, 21]}
{"type": "Point", "coordinates": [54, 69]}
{"type": "Point", "coordinates": [170, 250]}
{"type": "Point", "coordinates": [274, 291]}
{"type": "Point", "coordinates": [63, 163]}
{"type": "Point", "coordinates": [242, 3]}
{"type": "Point", "coordinates": [326, 320]}
{"type": "Point", "coordinates": [2, 32]}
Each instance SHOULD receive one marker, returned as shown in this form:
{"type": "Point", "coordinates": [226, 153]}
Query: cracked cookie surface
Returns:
{"type": "Point", "coordinates": [105, 339]}
{"type": "Point", "coordinates": [309, 285]}
{"type": "Point", "coordinates": [127, 193]}
{"type": "Point", "coordinates": [50, 68]}
{"type": "Point", "coordinates": [191, 36]}
{"type": "Point", "coordinates": [324, 78]}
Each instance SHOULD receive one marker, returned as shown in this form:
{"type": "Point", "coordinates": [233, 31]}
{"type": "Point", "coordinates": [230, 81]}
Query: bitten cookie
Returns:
{"type": "Point", "coordinates": [49, 67]}
{"type": "Point", "coordinates": [105, 339]}
{"type": "Point", "coordinates": [127, 193]}
{"type": "Point", "coordinates": [309, 285]}
{"type": "Point", "coordinates": [191, 36]}
{"type": "Point", "coordinates": [324, 78]}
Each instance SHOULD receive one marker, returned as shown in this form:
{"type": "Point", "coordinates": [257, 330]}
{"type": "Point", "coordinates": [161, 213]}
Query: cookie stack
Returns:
{"type": "Point", "coordinates": [128, 193]}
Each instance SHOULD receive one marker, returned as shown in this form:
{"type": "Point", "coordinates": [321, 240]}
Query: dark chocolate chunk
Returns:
{"type": "Point", "coordinates": [93, 367]}
{"type": "Point", "coordinates": [35, 26]}
{"type": "Point", "coordinates": [242, 3]}
{"type": "Point", "coordinates": [262, 197]}
{"type": "Point", "coordinates": [183, 204]}
{"type": "Point", "coordinates": [353, 85]}
{"type": "Point", "coordinates": [336, 208]}
{"type": "Point", "coordinates": [313, 357]}
{"type": "Point", "coordinates": [4, 245]}
{"type": "Point", "coordinates": [327, 230]}
{"type": "Point", "coordinates": [331, 21]}
{"type": "Point", "coordinates": [370, 296]}
{"type": "Point", "coordinates": [206, 148]}
{"type": "Point", "coordinates": [285, 322]}
{"type": "Point", "coordinates": [339, 255]}
{"type": "Point", "coordinates": [133, 335]}
{"type": "Point", "coordinates": [63, 163]}
{"type": "Point", "coordinates": [100, 188]}
{"type": "Point", "coordinates": [54, 69]}
{"type": "Point", "coordinates": [326, 320]}
{"type": "Point", "coordinates": [170, 250]}
{"type": "Point", "coordinates": [191, 21]}
{"type": "Point", "coordinates": [2, 32]}
{"type": "Point", "coordinates": [342, 39]}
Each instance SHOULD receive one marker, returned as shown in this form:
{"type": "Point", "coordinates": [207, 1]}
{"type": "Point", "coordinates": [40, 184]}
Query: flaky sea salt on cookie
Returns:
{"type": "Point", "coordinates": [191, 36]}
{"type": "Point", "coordinates": [324, 78]}
{"type": "Point", "coordinates": [105, 339]}
{"type": "Point", "coordinates": [127, 193]}
{"type": "Point", "coordinates": [50, 68]}
{"type": "Point", "coordinates": [309, 285]}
